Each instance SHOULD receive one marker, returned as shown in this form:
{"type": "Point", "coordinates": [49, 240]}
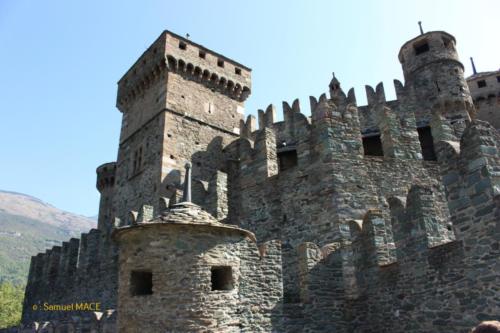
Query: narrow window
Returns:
{"type": "Point", "coordinates": [141, 283]}
{"type": "Point", "coordinates": [437, 86]}
{"type": "Point", "coordinates": [447, 42]}
{"type": "Point", "coordinates": [222, 278]}
{"type": "Point", "coordinates": [182, 45]}
{"type": "Point", "coordinates": [498, 79]}
{"type": "Point", "coordinates": [421, 48]}
{"type": "Point", "coordinates": [237, 70]}
{"type": "Point", "coordinates": [481, 84]}
{"type": "Point", "coordinates": [426, 143]}
{"type": "Point", "coordinates": [372, 146]}
{"type": "Point", "coordinates": [202, 54]}
{"type": "Point", "coordinates": [137, 161]}
{"type": "Point", "coordinates": [220, 62]}
{"type": "Point", "coordinates": [287, 159]}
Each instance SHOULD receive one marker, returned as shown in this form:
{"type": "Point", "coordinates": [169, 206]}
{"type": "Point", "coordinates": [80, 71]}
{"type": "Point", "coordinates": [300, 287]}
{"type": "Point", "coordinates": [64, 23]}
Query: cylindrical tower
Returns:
{"type": "Point", "coordinates": [183, 272]}
{"type": "Point", "coordinates": [435, 77]}
{"type": "Point", "coordinates": [105, 184]}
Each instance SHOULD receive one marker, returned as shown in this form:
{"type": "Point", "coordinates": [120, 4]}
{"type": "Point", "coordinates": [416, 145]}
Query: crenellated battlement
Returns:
{"type": "Point", "coordinates": [173, 53]}
{"type": "Point", "coordinates": [79, 270]}
{"type": "Point", "coordinates": [381, 217]}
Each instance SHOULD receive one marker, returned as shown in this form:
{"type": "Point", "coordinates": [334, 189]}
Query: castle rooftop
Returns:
{"type": "Point", "coordinates": [423, 37]}
{"type": "Point", "coordinates": [184, 213]}
{"type": "Point", "coordinates": [163, 36]}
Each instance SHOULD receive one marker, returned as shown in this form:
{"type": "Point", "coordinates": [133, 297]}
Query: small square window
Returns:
{"type": "Point", "coordinates": [447, 43]}
{"type": "Point", "coordinates": [220, 62]}
{"type": "Point", "coordinates": [372, 146]}
{"type": "Point", "coordinates": [202, 54]}
{"type": "Point", "coordinates": [182, 45]}
{"type": "Point", "coordinates": [237, 70]}
{"type": "Point", "coordinates": [222, 278]}
{"type": "Point", "coordinates": [481, 84]}
{"type": "Point", "coordinates": [421, 48]}
{"type": "Point", "coordinates": [141, 283]}
{"type": "Point", "coordinates": [287, 159]}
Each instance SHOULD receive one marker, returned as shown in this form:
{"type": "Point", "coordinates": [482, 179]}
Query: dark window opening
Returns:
{"type": "Point", "coordinates": [498, 79]}
{"type": "Point", "coordinates": [447, 42]}
{"type": "Point", "coordinates": [426, 143]}
{"type": "Point", "coordinates": [220, 62]}
{"type": "Point", "coordinates": [222, 278]}
{"type": "Point", "coordinates": [237, 70]}
{"type": "Point", "coordinates": [182, 45]}
{"type": "Point", "coordinates": [421, 48]}
{"type": "Point", "coordinates": [202, 54]}
{"type": "Point", "coordinates": [287, 159]}
{"type": "Point", "coordinates": [372, 146]}
{"type": "Point", "coordinates": [141, 283]}
{"type": "Point", "coordinates": [137, 161]}
{"type": "Point", "coordinates": [481, 84]}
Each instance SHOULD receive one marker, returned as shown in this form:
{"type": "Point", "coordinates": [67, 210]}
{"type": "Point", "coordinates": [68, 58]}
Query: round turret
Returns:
{"type": "Point", "coordinates": [431, 47]}
{"type": "Point", "coordinates": [105, 184]}
{"type": "Point", "coordinates": [435, 76]}
{"type": "Point", "coordinates": [182, 272]}
{"type": "Point", "coordinates": [106, 176]}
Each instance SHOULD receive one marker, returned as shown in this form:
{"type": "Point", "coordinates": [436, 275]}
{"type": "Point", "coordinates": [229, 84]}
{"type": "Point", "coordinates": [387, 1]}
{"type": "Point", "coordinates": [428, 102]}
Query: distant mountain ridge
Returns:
{"type": "Point", "coordinates": [21, 204]}
{"type": "Point", "coordinates": [29, 225]}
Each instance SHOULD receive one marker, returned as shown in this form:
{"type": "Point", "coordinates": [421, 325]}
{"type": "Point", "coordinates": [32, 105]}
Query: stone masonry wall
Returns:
{"type": "Point", "coordinates": [332, 184]}
{"type": "Point", "coordinates": [486, 96]}
{"type": "Point", "coordinates": [451, 286]}
{"type": "Point", "coordinates": [180, 258]}
{"type": "Point", "coordinates": [81, 270]}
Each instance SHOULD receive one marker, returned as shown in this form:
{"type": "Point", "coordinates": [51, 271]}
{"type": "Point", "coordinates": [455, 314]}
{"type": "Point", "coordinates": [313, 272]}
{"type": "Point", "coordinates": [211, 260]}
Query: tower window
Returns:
{"type": "Point", "coordinates": [220, 62]}
{"type": "Point", "coordinates": [421, 48]}
{"type": "Point", "coordinates": [287, 159]}
{"type": "Point", "coordinates": [182, 45]}
{"type": "Point", "coordinates": [481, 84]}
{"type": "Point", "coordinates": [202, 54]}
{"type": "Point", "coordinates": [141, 283]}
{"type": "Point", "coordinates": [222, 278]}
{"type": "Point", "coordinates": [372, 146]}
{"type": "Point", "coordinates": [426, 143]}
{"type": "Point", "coordinates": [137, 161]}
{"type": "Point", "coordinates": [498, 79]}
{"type": "Point", "coordinates": [447, 42]}
{"type": "Point", "coordinates": [237, 70]}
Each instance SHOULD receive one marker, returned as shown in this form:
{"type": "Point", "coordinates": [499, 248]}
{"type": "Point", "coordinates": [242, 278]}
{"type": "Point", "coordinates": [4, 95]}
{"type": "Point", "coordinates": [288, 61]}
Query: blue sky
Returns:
{"type": "Point", "coordinates": [60, 61]}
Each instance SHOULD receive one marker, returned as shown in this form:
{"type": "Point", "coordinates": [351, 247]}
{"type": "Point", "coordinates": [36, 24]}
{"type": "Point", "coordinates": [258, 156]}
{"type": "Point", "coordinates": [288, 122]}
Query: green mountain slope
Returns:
{"type": "Point", "coordinates": [35, 227]}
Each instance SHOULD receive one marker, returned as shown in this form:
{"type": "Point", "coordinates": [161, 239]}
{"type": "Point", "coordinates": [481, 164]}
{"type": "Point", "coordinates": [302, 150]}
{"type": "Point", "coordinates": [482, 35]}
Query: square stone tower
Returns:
{"type": "Point", "coordinates": [180, 102]}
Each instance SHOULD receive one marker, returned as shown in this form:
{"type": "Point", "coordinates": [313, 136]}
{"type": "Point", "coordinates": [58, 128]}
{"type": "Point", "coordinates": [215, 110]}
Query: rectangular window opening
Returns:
{"type": "Point", "coordinates": [141, 283]}
{"type": "Point", "coordinates": [220, 62]}
{"type": "Point", "coordinates": [202, 54]}
{"type": "Point", "coordinates": [426, 143]}
{"type": "Point", "coordinates": [222, 278]}
{"type": "Point", "coordinates": [446, 42]}
{"type": "Point", "coordinates": [287, 159]}
{"type": "Point", "coordinates": [498, 79]}
{"type": "Point", "coordinates": [237, 71]}
{"type": "Point", "coordinates": [421, 48]}
{"type": "Point", "coordinates": [137, 161]}
{"type": "Point", "coordinates": [372, 146]}
{"type": "Point", "coordinates": [182, 45]}
{"type": "Point", "coordinates": [481, 84]}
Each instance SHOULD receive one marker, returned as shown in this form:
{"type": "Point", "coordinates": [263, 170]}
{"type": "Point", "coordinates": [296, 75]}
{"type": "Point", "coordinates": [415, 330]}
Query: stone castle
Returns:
{"type": "Point", "coordinates": [375, 218]}
{"type": "Point", "coordinates": [485, 91]}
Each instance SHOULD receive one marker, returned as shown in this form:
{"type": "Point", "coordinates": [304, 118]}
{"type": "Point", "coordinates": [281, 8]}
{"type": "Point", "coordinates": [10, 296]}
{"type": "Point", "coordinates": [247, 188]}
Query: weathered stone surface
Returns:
{"type": "Point", "coordinates": [367, 220]}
